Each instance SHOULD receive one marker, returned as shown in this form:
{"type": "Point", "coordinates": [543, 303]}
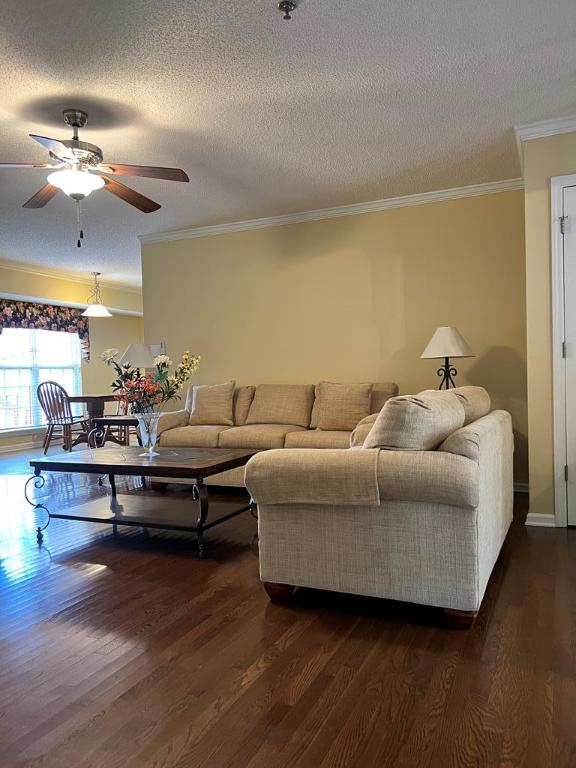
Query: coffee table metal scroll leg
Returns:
{"type": "Point", "coordinates": [200, 492]}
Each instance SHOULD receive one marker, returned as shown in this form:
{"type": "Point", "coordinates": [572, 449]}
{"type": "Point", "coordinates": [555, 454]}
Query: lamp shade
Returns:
{"type": "Point", "coordinates": [447, 342]}
{"type": "Point", "coordinates": [137, 355]}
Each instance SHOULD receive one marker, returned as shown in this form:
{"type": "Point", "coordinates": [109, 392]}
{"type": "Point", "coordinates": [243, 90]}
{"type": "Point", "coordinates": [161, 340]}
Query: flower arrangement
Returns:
{"type": "Point", "coordinates": [145, 391]}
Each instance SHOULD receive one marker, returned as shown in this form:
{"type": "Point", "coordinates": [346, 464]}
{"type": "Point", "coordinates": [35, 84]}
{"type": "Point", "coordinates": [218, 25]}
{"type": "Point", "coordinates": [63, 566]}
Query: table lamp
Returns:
{"type": "Point", "coordinates": [138, 356]}
{"type": "Point", "coordinates": [447, 342]}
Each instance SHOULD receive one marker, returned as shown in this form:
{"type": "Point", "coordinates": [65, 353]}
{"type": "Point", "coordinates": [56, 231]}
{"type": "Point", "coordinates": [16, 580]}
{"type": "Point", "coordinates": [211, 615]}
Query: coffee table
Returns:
{"type": "Point", "coordinates": [136, 509]}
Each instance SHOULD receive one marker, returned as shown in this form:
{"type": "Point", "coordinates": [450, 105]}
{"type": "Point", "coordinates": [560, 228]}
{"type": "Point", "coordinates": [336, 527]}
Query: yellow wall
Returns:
{"type": "Point", "coordinates": [106, 332]}
{"type": "Point", "coordinates": [117, 331]}
{"type": "Point", "coordinates": [352, 299]}
{"type": "Point", "coordinates": [543, 158]}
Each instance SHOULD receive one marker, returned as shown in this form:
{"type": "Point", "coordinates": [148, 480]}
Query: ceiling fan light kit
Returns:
{"type": "Point", "coordinates": [74, 183]}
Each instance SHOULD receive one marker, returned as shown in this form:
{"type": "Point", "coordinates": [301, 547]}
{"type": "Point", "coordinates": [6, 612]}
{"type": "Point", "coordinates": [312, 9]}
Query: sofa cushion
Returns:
{"type": "Point", "coordinates": [475, 401]}
{"type": "Point", "coordinates": [261, 436]}
{"type": "Point", "coordinates": [382, 391]}
{"type": "Point", "coordinates": [340, 406]}
{"type": "Point", "coordinates": [200, 436]}
{"type": "Point", "coordinates": [362, 429]}
{"type": "Point", "coordinates": [416, 422]}
{"type": "Point", "coordinates": [212, 404]}
{"type": "Point", "coordinates": [282, 404]}
{"type": "Point", "coordinates": [318, 438]}
{"type": "Point", "coordinates": [243, 397]}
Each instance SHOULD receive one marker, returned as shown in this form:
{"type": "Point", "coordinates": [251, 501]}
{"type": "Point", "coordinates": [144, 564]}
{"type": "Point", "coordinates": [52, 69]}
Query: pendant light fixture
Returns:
{"type": "Point", "coordinates": [95, 307]}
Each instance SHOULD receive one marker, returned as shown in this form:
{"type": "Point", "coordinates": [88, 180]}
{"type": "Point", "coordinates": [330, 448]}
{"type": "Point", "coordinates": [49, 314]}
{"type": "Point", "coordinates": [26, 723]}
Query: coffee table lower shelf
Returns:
{"type": "Point", "coordinates": [143, 512]}
{"type": "Point", "coordinates": [194, 464]}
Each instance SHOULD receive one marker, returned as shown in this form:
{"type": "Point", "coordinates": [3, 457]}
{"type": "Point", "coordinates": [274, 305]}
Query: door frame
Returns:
{"type": "Point", "coordinates": [557, 184]}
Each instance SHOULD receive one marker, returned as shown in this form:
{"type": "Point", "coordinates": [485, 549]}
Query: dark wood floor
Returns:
{"type": "Point", "coordinates": [130, 652]}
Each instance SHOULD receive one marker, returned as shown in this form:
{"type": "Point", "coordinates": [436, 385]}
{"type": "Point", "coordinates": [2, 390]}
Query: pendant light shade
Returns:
{"type": "Point", "coordinates": [95, 307]}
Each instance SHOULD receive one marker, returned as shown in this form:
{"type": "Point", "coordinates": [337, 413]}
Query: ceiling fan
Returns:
{"type": "Point", "coordinates": [78, 169]}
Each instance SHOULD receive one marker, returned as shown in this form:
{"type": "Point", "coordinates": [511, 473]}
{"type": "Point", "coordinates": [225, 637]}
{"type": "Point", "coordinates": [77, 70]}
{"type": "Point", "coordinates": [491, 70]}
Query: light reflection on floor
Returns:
{"type": "Point", "coordinates": [19, 520]}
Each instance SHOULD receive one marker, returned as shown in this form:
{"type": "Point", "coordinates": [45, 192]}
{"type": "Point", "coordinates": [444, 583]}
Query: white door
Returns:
{"type": "Point", "coordinates": [569, 259]}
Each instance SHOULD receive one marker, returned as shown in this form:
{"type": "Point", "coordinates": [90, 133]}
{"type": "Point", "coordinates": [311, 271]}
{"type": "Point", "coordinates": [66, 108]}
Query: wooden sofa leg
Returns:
{"type": "Point", "coordinates": [278, 593]}
{"type": "Point", "coordinates": [459, 619]}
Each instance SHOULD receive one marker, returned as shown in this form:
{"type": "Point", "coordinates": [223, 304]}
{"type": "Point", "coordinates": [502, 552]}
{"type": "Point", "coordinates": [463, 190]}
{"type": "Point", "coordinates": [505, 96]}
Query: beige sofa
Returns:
{"type": "Point", "coordinates": [423, 526]}
{"type": "Point", "coordinates": [272, 416]}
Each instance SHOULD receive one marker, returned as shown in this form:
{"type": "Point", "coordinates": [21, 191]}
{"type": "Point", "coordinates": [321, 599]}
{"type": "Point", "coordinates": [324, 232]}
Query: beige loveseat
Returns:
{"type": "Point", "coordinates": [417, 512]}
{"type": "Point", "coordinates": [271, 416]}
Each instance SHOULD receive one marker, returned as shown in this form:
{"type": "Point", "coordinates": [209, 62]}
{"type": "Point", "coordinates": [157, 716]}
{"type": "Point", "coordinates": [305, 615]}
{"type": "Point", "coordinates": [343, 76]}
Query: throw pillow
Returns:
{"type": "Point", "coordinates": [243, 397]}
{"type": "Point", "coordinates": [475, 400]}
{"type": "Point", "coordinates": [212, 404]}
{"type": "Point", "coordinates": [340, 406]}
{"type": "Point", "coordinates": [282, 404]}
{"type": "Point", "coordinates": [416, 422]}
{"type": "Point", "coordinates": [382, 391]}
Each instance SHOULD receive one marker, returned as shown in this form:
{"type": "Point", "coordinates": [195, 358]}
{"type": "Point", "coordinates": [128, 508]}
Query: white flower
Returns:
{"type": "Point", "coordinates": [162, 360]}
{"type": "Point", "coordinates": [108, 355]}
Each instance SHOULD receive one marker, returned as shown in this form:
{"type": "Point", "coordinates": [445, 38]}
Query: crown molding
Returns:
{"type": "Point", "coordinates": [545, 128]}
{"type": "Point", "coordinates": [60, 274]}
{"type": "Point", "coordinates": [493, 187]}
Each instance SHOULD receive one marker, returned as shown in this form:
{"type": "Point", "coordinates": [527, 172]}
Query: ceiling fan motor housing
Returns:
{"type": "Point", "coordinates": [75, 118]}
{"type": "Point", "coordinates": [87, 154]}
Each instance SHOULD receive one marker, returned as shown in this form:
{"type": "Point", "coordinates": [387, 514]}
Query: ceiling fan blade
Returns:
{"type": "Point", "coordinates": [26, 165]}
{"type": "Point", "coordinates": [149, 171]}
{"type": "Point", "coordinates": [130, 196]}
{"type": "Point", "coordinates": [56, 147]}
{"type": "Point", "coordinates": [42, 197]}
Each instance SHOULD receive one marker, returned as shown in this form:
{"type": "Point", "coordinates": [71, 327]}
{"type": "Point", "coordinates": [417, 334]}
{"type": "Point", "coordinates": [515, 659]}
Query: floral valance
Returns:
{"type": "Point", "coordinates": [45, 317]}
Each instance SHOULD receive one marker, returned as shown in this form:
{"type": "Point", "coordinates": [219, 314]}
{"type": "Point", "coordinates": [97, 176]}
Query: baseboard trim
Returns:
{"type": "Point", "coordinates": [538, 520]}
{"type": "Point", "coordinates": [15, 447]}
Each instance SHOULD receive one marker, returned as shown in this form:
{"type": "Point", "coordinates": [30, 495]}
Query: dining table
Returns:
{"type": "Point", "coordinates": [94, 403]}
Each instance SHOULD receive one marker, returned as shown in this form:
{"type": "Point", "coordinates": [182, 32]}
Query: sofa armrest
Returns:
{"type": "Point", "coordinates": [172, 419]}
{"type": "Point", "coordinates": [432, 477]}
{"type": "Point", "coordinates": [314, 476]}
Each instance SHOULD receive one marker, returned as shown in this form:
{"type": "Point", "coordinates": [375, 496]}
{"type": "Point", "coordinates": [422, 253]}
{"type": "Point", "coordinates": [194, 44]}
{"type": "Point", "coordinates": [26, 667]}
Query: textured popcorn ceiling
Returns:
{"type": "Point", "coordinates": [351, 101]}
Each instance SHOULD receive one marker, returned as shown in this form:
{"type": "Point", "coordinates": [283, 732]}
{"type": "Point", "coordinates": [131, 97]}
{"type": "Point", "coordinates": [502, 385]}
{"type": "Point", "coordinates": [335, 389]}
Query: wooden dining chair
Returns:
{"type": "Point", "coordinates": [62, 424]}
{"type": "Point", "coordinates": [119, 433]}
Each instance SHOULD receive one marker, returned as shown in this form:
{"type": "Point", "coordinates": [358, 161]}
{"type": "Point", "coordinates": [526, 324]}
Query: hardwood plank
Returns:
{"type": "Point", "coordinates": [127, 652]}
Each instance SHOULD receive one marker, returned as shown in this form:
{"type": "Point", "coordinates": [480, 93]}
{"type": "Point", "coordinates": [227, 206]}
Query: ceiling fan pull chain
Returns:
{"type": "Point", "coordinates": [79, 220]}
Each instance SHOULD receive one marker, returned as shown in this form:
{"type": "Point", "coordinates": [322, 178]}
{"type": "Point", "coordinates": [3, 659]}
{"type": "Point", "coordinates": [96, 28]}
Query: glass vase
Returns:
{"type": "Point", "coordinates": [148, 430]}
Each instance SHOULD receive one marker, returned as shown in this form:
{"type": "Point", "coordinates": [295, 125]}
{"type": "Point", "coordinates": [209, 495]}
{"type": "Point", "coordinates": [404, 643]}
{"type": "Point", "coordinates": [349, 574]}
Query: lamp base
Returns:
{"type": "Point", "coordinates": [447, 372]}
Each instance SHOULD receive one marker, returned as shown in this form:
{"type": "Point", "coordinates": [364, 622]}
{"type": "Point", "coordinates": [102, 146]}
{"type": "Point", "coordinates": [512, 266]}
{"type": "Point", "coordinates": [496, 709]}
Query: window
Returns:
{"type": "Point", "coordinates": [28, 357]}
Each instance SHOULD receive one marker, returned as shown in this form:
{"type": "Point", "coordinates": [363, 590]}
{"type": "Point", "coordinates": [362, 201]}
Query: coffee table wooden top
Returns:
{"type": "Point", "coordinates": [172, 462]}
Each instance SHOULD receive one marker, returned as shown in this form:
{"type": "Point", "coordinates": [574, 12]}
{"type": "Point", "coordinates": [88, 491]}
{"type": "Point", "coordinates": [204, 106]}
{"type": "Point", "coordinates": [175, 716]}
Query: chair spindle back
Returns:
{"type": "Point", "coordinates": [55, 402]}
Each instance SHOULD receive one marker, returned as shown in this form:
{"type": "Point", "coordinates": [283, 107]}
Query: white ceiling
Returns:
{"type": "Point", "coordinates": [352, 100]}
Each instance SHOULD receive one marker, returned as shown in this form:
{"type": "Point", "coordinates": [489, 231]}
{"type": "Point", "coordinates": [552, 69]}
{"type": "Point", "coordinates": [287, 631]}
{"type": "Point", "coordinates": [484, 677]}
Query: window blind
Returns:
{"type": "Point", "coordinates": [28, 357]}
